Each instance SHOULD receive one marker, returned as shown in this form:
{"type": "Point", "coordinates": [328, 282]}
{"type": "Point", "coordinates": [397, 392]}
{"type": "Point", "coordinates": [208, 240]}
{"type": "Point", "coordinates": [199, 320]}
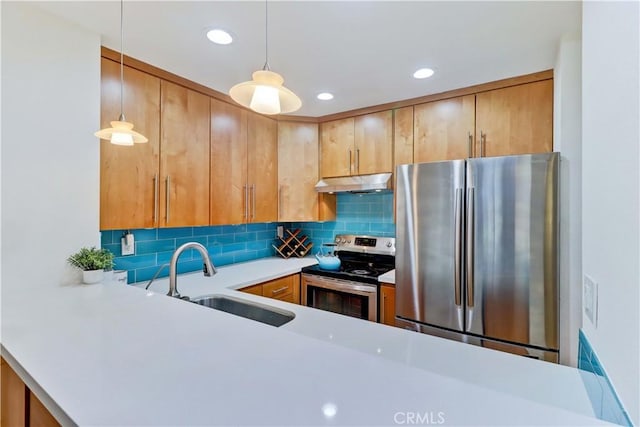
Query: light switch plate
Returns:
{"type": "Point", "coordinates": [590, 299]}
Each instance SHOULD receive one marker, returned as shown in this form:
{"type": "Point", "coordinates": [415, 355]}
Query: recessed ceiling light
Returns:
{"type": "Point", "coordinates": [325, 96]}
{"type": "Point", "coordinates": [423, 73]}
{"type": "Point", "coordinates": [219, 36]}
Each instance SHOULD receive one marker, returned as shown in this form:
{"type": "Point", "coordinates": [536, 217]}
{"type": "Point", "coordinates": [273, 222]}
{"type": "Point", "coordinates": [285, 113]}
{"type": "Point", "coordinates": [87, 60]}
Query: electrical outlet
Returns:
{"type": "Point", "coordinates": [127, 244]}
{"type": "Point", "coordinates": [280, 231]}
{"type": "Point", "coordinates": [590, 299]}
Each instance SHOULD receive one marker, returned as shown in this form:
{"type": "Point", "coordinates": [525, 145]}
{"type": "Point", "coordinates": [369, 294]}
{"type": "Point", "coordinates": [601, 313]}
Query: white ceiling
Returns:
{"type": "Point", "coordinates": [364, 52]}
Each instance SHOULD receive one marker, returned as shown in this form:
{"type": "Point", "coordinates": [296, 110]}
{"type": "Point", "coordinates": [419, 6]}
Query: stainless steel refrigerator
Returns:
{"type": "Point", "coordinates": [477, 252]}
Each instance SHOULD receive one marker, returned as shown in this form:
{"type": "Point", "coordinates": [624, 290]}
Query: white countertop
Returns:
{"type": "Point", "coordinates": [119, 355]}
{"type": "Point", "coordinates": [388, 277]}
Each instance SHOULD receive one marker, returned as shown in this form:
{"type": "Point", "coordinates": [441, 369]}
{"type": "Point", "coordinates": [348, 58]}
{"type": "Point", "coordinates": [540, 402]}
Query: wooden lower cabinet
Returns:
{"type": "Point", "coordinates": [19, 407]}
{"type": "Point", "coordinates": [38, 414]}
{"type": "Point", "coordinates": [388, 304]}
{"type": "Point", "coordinates": [285, 288]}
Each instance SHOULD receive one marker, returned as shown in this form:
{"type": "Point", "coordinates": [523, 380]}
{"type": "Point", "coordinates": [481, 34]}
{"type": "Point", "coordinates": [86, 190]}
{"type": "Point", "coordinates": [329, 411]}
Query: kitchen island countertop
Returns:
{"type": "Point", "coordinates": [121, 355]}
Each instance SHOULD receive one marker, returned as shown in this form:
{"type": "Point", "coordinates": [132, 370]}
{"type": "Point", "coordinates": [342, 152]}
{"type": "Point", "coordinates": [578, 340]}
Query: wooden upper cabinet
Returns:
{"type": "Point", "coordinates": [337, 147]}
{"type": "Point", "coordinates": [444, 130]}
{"type": "Point", "coordinates": [262, 168]}
{"type": "Point", "coordinates": [373, 143]}
{"type": "Point", "coordinates": [185, 154]}
{"type": "Point", "coordinates": [515, 120]}
{"type": "Point", "coordinates": [129, 174]}
{"type": "Point", "coordinates": [228, 164]}
{"type": "Point", "coordinates": [403, 136]}
{"type": "Point", "coordinates": [297, 171]}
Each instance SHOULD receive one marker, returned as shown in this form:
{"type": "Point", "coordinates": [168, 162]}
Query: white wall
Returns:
{"type": "Point", "coordinates": [568, 140]}
{"type": "Point", "coordinates": [50, 158]}
{"type": "Point", "coordinates": [610, 192]}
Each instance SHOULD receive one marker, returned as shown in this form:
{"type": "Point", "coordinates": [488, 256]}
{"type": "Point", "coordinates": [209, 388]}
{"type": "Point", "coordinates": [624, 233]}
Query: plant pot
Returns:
{"type": "Point", "coordinates": [92, 276]}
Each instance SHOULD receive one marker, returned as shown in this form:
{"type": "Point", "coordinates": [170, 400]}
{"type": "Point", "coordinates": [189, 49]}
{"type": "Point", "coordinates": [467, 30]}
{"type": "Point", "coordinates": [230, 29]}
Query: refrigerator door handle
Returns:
{"type": "Point", "coordinates": [457, 271]}
{"type": "Point", "coordinates": [470, 245]}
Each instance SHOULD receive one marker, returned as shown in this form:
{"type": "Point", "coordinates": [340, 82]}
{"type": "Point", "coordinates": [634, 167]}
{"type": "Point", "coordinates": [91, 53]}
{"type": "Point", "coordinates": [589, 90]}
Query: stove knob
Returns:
{"type": "Point", "coordinates": [337, 240]}
{"type": "Point", "coordinates": [389, 244]}
{"type": "Point", "coordinates": [349, 241]}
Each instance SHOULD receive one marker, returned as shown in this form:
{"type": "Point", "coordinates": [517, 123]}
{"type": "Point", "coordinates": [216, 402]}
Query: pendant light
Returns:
{"type": "Point", "coordinates": [121, 132]}
{"type": "Point", "coordinates": [264, 93]}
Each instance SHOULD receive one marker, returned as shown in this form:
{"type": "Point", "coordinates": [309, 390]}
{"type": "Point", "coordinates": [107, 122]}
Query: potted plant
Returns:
{"type": "Point", "coordinates": [92, 261]}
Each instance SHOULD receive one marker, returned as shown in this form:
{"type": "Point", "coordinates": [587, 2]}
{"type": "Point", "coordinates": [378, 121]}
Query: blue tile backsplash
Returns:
{"type": "Point", "coordinates": [604, 400]}
{"type": "Point", "coordinates": [370, 214]}
{"type": "Point", "coordinates": [367, 213]}
{"type": "Point", "coordinates": [227, 244]}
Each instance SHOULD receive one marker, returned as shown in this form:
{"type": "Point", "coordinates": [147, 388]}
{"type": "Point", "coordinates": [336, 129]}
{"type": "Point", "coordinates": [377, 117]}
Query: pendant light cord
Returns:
{"type": "Point", "coordinates": [266, 36]}
{"type": "Point", "coordinates": [122, 119]}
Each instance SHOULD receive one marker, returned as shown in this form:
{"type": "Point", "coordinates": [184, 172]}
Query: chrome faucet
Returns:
{"type": "Point", "coordinates": [208, 268]}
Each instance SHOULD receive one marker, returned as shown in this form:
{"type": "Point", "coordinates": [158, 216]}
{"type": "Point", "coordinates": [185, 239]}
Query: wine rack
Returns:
{"type": "Point", "coordinates": [293, 244]}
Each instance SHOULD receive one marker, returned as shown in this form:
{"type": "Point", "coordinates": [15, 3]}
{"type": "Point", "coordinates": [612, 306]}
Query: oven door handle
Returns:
{"type": "Point", "coordinates": [340, 285]}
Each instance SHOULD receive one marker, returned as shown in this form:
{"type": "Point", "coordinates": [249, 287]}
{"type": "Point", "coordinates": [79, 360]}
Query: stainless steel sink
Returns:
{"type": "Point", "coordinates": [251, 310]}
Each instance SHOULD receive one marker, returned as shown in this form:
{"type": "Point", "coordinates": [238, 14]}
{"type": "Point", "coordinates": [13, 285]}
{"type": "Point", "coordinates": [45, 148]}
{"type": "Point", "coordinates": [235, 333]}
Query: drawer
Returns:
{"type": "Point", "coordinates": [255, 290]}
{"type": "Point", "coordinates": [285, 289]}
{"type": "Point", "coordinates": [278, 288]}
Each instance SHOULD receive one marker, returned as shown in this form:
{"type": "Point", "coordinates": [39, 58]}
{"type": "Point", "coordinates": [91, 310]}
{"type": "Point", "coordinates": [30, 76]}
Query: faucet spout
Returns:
{"type": "Point", "coordinates": [208, 268]}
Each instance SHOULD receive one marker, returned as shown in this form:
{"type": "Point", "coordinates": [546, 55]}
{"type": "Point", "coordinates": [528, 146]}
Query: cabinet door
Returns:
{"type": "Point", "coordinates": [403, 136]}
{"type": "Point", "coordinates": [39, 415]}
{"type": "Point", "coordinates": [262, 168]}
{"type": "Point", "coordinates": [388, 304]}
{"type": "Point", "coordinates": [184, 162]}
{"type": "Point", "coordinates": [129, 175]}
{"type": "Point", "coordinates": [337, 151]}
{"type": "Point", "coordinates": [297, 171]}
{"type": "Point", "coordinates": [374, 143]}
{"type": "Point", "coordinates": [444, 129]}
{"type": "Point", "coordinates": [515, 120]}
{"type": "Point", "coordinates": [13, 397]}
{"type": "Point", "coordinates": [228, 164]}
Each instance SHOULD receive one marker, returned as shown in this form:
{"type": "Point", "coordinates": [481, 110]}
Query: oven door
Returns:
{"type": "Point", "coordinates": [346, 297]}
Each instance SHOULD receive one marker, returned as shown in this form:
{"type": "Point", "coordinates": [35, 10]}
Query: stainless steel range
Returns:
{"type": "Point", "coordinates": [353, 289]}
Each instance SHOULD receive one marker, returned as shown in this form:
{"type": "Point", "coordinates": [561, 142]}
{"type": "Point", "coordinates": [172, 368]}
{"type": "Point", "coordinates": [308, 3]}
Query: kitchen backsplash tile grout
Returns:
{"type": "Point", "coordinates": [227, 244]}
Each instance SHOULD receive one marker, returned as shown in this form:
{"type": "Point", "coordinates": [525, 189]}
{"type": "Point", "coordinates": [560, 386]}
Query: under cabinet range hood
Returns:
{"type": "Point", "coordinates": [355, 184]}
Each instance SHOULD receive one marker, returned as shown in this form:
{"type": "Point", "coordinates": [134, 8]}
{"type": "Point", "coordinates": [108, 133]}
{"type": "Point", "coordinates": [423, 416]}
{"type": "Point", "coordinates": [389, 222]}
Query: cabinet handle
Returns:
{"type": "Point", "coordinates": [350, 163]}
{"type": "Point", "coordinates": [279, 201]}
{"type": "Point", "coordinates": [168, 194]}
{"type": "Point", "coordinates": [384, 301]}
{"type": "Point", "coordinates": [470, 145]}
{"type": "Point", "coordinates": [156, 188]}
{"type": "Point", "coordinates": [253, 201]}
{"type": "Point", "coordinates": [246, 202]}
{"type": "Point", "coordinates": [277, 291]}
{"type": "Point", "coordinates": [483, 142]}
{"type": "Point", "coordinates": [357, 160]}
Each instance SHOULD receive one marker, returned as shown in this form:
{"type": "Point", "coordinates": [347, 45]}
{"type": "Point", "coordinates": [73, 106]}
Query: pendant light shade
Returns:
{"type": "Point", "coordinates": [265, 94]}
{"type": "Point", "coordinates": [121, 132]}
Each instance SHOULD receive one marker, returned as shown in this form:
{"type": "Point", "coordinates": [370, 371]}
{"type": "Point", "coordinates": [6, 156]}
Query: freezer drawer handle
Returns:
{"type": "Point", "coordinates": [458, 247]}
{"type": "Point", "coordinates": [470, 245]}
